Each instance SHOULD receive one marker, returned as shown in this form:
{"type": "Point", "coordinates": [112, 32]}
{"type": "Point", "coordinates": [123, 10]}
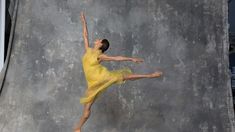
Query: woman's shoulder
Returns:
{"type": "Point", "coordinates": [94, 50]}
{"type": "Point", "coordinates": [88, 49]}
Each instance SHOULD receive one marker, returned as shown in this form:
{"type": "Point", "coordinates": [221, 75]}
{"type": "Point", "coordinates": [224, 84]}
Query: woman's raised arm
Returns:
{"type": "Point", "coordinates": [85, 32]}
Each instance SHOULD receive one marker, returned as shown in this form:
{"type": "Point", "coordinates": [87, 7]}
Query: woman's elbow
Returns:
{"type": "Point", "coordinates": [120, 58]}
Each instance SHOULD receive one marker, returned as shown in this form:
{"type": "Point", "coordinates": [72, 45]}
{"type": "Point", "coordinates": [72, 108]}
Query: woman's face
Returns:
{"type": "Point", "coordinates": [98, 43]}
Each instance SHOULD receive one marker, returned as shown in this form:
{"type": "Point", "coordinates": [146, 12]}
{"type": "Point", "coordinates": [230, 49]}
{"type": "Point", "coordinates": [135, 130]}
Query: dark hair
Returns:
{"type": "Point", "coordinates": [105, 45]}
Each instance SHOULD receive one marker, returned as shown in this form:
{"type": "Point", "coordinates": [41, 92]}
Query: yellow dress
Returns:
{"type": "Point", "coordinates": [98, 77]}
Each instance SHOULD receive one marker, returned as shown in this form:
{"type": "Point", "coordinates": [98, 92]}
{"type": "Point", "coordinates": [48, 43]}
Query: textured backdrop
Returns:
{"type": "Point", "coordinates": [186, 39]}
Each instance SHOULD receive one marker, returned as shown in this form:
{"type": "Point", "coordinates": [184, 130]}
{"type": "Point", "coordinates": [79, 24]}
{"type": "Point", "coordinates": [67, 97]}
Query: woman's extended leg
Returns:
{"type": "Point", "coordinates": [140, 76]}
{"type": "Point", "coordinates": [85, 116]}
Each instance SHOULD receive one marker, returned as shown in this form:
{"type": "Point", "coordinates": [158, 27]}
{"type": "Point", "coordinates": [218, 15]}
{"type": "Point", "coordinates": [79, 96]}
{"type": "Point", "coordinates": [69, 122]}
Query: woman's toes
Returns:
{"type": "Point", "coordinates": [156, 74]}
{"type": "Point", "coordinates": [77, 130]}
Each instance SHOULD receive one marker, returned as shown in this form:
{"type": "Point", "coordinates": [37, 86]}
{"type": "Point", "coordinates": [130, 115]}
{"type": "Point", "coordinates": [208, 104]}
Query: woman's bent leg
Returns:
{"type": "Point", "coordinates": [140, 76]}
{"type": "Point", "coordinates": [85, 116]}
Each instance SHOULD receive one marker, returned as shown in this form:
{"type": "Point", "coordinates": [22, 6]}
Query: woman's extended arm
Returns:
{"type": "Point", "coordinates": [104, 57]}
{"type": "Point", "coordinates": [85, 32]}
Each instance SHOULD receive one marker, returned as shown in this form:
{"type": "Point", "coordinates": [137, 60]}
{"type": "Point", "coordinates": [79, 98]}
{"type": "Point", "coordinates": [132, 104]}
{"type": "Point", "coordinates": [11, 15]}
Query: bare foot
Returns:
{"type": "Point", "coordinates": [77, 130]}
{"type": "Point", "coordinates": [156, 74]}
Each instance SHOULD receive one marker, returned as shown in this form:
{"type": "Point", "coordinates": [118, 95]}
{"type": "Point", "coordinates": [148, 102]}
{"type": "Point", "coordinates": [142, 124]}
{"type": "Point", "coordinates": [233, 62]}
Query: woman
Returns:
{"type": "Point", "coordinates": [98, 77]}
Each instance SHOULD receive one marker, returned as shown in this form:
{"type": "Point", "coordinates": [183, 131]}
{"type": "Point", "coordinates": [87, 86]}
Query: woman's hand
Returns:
{"type": "Point", "coordinates": [137, 60]}
{"type": "Point", "coordinates": [85, 31]}
{"type": "Point", "coordinates": [83, 19]}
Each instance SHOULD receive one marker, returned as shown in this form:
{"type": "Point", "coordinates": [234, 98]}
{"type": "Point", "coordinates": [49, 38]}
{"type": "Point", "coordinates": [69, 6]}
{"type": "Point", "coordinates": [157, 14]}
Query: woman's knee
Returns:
{"type": "Point", "coordinates": [127, 77]}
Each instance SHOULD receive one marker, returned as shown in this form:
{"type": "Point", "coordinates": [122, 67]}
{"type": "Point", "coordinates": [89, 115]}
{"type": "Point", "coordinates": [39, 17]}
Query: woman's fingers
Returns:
{"type": "Point", "coordinates": [141, 60]}
{"type": "Point", "coordinates": [137, 60]}
{"type": "Point", "coordinates": [82, 16]}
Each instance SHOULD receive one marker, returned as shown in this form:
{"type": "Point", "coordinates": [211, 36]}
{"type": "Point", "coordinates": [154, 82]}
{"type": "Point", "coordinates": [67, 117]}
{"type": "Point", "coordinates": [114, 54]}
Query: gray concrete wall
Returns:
{"type": "Point", "coordinates": [187, 39]}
